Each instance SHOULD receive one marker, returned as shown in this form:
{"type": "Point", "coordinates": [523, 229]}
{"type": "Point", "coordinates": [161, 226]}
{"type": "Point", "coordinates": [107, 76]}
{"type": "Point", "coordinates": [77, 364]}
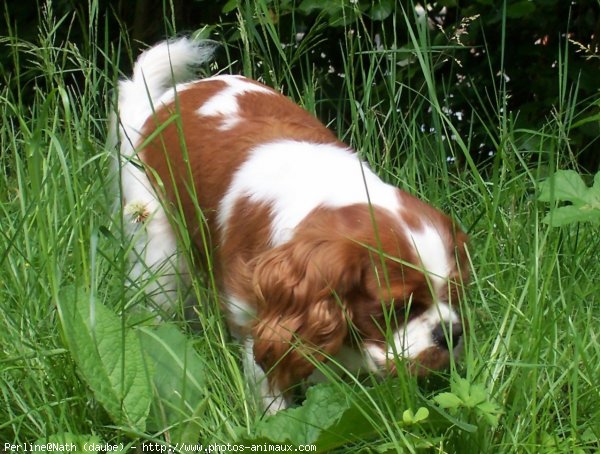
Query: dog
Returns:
{"type": "Point", "coordinates": [315, 257]}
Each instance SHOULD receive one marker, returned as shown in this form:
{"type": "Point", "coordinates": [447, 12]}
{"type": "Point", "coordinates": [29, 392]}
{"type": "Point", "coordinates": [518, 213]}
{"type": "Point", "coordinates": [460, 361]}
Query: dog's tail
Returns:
{"type": "Point", "coordinates": [155, 73]}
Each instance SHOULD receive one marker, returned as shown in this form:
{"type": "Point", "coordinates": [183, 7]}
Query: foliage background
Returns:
{"type": "Point", "coordinates": [477, 51]}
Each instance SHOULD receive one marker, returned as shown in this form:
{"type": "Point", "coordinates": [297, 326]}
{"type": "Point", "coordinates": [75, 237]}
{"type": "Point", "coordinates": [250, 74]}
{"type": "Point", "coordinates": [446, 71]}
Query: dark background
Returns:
{"type": "Point", "coordinates": [541, 38]}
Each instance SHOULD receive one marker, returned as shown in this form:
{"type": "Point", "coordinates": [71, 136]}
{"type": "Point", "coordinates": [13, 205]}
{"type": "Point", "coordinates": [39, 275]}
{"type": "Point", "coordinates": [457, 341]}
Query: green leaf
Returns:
{"type": "Point", "coordinates": [472, 396]}
{"type": "Point", "coordinates": [327, 418]}
{"type": "Point", "coordinates": [422, 414]}
{"type": "Point", "coordinates": [561, 216]}
{"type": "Point", "coordinates": [409, 418]}
{"type": "Point", "coordinates": [353, 425]}
{"type": "Point", "coordinates": [337, 14]}
{"type": "Point", "coordinates": [203, 33]}
{"type": "Point", "coordinates": [308, 6]}
{"type": "Point", "coordinates": [179, 382]}
{"type": "Point", "coordinates": [568, 186]}
{"type": "Point", "coordinates": [490, 411]}
{"type": "Point", "coordinates": [109, 360]}
{"type": "Point", "coordinates": [322, 408]}
{"type": "Point", "coordinates": [594, 193]}
{"type": "Point", "coordinates": [563, 186]}
{"type": "Point", "coordinates": [462, 388]}
{"type": "Point", "coordinates": [448, 400]}
{"type": "Point", "coordinates": [229, 6]}
{"type": "Point", "coordinates": [477, 394]}
{"type": "Point", "coordinates": [381, 9]}
{"type": "Point", "coordinates": [343, 17]}
{"type": "Point", "coordinates": [584, 121]}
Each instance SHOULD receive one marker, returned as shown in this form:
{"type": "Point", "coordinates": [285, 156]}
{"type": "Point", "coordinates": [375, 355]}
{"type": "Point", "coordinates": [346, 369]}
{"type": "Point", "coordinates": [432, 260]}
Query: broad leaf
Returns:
{"type": "Point", "coordinates": [381, 9]}
{"type": "Point", "coordinates": [568, 186]}
{"type": "Point", "coordinates": [323, 407]}
{"type": "Point", "coordinates": [448, 400]}
{"type": "Point", "coordinates": [327, 418]}
{"type": "Point", "coordinates": [569, 214]}
{"type": "Point", "coordinates": [109, 360]}
{"type": "Point", "coordinates": [564, 186]}
{"type": "Point", "coordinates": [178, 381]}
{"type": "Point", "coordinates": [472, 396]}
{"type": "Point", "coordinates": [490, 411]}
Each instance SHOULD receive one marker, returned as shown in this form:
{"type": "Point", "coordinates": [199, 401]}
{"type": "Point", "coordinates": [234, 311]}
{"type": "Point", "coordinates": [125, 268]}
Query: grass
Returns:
{"type": "Point", "coordinates": [532, 307]}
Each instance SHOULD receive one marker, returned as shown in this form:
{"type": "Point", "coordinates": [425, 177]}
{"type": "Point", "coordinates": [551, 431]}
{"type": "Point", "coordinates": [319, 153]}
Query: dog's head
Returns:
{"type": "Point", "coordinates": [385, 282]}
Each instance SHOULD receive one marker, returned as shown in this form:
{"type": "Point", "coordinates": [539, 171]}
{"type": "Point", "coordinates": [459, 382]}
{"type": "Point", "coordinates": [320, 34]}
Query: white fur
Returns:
{"type": "Point", "coordinates": [376, 358]}
{"type": "Point", "coordinates": [431, 252]}
{"type": "Point", "coordinates": [155, 73]}
{"type": "Point", "coordinates": [229, 123]}
{"type": "Point", "coordinates": [273, 400]}
{"type": "Point", "coordinates": [296, 177]}
{"type": "Point", "coordinates": [224, 103]}
{"type": "Point", "coordinates": [168, 97]}
{"type": "Point", "coordinates": [156, 264]}
{"type": "Point", "coordinates": [412, 339]}
{"type": "Point", "coordinates": [416, 336]}
{"type": "Point", "coordinates": [241, 313]}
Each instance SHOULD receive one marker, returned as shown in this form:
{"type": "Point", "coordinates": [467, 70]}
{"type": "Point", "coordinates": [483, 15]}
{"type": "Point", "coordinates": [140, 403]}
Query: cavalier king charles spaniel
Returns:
{"type": "Point", "coordinates": [314, 256]}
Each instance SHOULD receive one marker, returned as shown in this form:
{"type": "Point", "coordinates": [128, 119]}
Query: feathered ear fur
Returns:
{"type": "Point", "coordinates": [302, 317]}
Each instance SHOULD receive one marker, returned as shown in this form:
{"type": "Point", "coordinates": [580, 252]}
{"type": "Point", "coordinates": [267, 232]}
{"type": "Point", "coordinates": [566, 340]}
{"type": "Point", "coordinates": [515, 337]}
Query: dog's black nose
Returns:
{"type": "Point", "coordinates": [443, 333]}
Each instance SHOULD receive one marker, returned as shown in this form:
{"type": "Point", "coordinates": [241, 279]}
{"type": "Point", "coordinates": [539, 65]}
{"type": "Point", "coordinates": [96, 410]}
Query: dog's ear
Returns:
{"type": "Point", "coordinates": [302, 316]}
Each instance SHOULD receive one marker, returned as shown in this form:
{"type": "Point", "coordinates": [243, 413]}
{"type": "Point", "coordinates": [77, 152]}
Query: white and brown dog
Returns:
{"type": "Point", "coordinates": [310, 249]}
